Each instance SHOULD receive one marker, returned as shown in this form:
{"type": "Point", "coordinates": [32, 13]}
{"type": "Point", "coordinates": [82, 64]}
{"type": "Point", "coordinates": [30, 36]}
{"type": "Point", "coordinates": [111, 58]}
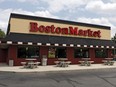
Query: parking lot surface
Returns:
{"type": "Point", "coordinates": [75, 78]}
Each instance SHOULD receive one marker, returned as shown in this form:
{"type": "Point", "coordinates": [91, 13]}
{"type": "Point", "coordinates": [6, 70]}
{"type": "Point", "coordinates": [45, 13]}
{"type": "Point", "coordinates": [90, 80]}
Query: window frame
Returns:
{"type": "Point", "coordinates": [104, 53]}
{"type": "Point", "coordinates": [83, 54]}
{"type": "Point", "coordinates": [50, 52]}
{"type": "Point", "coordinates": [64, 48]}
{"type": "Point", "coordinates": [56, 52]}
{"type": "Point", "coordinates": [37, 49]}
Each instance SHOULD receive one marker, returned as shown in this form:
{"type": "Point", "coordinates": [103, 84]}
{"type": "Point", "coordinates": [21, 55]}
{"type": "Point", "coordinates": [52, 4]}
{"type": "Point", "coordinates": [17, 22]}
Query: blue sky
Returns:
{"type": "Point", "coordinates": [101, 12]}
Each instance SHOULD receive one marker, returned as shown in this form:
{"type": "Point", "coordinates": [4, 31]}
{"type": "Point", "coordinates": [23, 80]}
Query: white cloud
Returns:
{"type": "Point", "coordinates": [58, 5]}
{"type": "Point", "coordinates": [30, 1]}
{"type": "Point", "coordinates": [3, 25]}
{"type": "Point", "coordinates": [112, 19]}
{"type": "Point", "coordinates": [36, 13]}
{"type": "Point", "coordinates": [99, 21]}
{"type": "Point", "coordinates": [1, 1]}
{"type": "Point", "coordinates": [4, 16]}
{"type": "Point", "coordinates": [20, 11]}
{"type": "Point", "coordinates": [20, 0]}
{"type": "Point", "coordinates": [45, 14]}
{"type": "Point", "coordinates": [113, 1]}
{"type": "Point", "coordinates": [101, 7]}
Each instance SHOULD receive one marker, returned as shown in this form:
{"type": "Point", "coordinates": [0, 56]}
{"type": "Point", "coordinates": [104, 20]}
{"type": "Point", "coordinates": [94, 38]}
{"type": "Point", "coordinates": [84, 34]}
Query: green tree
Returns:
{"type": "Point", "coordinates": [2, 34]}
{"type": "Point", "coordinates": [114, 38]}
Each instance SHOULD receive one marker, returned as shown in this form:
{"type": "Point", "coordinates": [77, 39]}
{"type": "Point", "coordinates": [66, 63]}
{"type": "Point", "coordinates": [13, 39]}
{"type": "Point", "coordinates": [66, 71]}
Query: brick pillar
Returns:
{"type": "Point", "coordinates": [92, 54]}
{"type": "Point", "coordinates": [70, 53]}
{"type": "Point", "coordinates": [43, 51]}
{"type": "Point", "coordinates": [12, 53]}
{"type": "Point", "coordinates": [110, 55]}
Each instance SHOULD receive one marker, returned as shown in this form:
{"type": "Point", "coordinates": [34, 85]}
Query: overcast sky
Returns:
{"type": "Point", "coordinates": [101, 12]}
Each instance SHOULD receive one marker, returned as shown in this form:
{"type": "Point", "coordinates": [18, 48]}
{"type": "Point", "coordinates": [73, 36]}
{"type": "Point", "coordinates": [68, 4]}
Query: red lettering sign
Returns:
{"type": "Point", "coordinates": [34, 27]}
{"type": "Point", "coordinates": [73, 31]}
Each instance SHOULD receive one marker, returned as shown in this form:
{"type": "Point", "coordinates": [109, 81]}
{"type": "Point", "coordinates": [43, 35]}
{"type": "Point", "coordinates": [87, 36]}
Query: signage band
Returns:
{"type": "Point", "coordinates": [35, 27]}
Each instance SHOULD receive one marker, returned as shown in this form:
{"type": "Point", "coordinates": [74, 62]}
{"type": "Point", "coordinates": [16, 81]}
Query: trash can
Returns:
{"type": "Point", "coordinates": [11, 62]}
{"type": "Point", "coordinates": [44, 61]}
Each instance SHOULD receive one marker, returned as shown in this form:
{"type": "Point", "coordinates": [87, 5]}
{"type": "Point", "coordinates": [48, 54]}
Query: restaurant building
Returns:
{"type": "Point", "coordinates": [38, 37]}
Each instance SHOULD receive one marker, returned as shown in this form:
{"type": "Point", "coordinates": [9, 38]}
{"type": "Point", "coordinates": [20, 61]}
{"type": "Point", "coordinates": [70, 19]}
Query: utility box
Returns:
{"type": "Point", "coordinates": [11, 62]}
{"type": "Point", "coordinates": [44, 60]}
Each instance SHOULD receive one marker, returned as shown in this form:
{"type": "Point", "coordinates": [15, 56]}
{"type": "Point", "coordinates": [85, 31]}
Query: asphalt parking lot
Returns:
{"type": "Point", "coordinates": [82, 78]}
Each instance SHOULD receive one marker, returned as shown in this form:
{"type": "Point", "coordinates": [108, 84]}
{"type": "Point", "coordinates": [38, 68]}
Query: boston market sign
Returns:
{"type": "Point", "coordinates": [34, 27]}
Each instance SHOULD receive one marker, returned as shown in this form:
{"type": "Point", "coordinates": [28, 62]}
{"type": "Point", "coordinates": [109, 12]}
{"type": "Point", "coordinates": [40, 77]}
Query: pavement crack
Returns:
{"type": "Point", "coordinates": [55, 80]}
{"type": "Point", "coordinates": [3, 85]}
{"type": "Point", "coordinates": [106, 81]}
{"type": "Point", "coordinates": [73, 81]}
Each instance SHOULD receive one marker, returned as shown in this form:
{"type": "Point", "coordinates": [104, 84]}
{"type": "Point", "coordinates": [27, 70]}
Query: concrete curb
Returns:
{"type": "Point", "coordinates": [53, 68]}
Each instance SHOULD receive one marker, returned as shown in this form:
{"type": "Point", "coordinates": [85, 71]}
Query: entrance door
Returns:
{"type": "Point", "coordinates": [3, 55]}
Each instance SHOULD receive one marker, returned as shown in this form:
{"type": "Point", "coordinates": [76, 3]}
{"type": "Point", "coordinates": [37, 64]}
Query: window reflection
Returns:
{"type": "Point", "coordinates": [81, 53]}
{"type": "Point", "coordinates": [28, 52]}
{"type": "Point", "coordinates": [101, 53]}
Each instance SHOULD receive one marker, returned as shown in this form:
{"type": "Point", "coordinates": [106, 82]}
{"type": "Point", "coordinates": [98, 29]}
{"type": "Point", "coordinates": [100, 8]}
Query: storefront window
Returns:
{"type": "Point", "coordinates": [51, 52]}
{"type": "Point", "coordinates": [61, 52]}
{"type": "Point", "coordinates": [28, 52]}
{"type": "Point", "coordinates": [81, 53]}
{"type": "Point", "coordinates": [57, 52]}
{"type": "Point", "coordinates": [101, 53]}
{"type": "Point", "coordinates": [114, 51]}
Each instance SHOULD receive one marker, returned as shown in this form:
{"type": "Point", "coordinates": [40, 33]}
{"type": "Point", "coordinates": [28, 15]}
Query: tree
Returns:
{"type": "Point", "coordinates": [2, 34]}
{"type": "Point", "coordinates": [114, 38]}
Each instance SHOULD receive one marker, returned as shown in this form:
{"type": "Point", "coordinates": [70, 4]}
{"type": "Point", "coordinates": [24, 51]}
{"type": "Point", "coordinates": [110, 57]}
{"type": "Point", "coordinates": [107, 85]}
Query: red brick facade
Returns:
{"type": "Point", "coordinates": [12, 55]}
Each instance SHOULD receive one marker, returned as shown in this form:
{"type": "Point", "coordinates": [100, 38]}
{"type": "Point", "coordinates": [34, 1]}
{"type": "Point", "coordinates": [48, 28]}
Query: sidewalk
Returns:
{"type": "Point", "coordinates": [54, 68]}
